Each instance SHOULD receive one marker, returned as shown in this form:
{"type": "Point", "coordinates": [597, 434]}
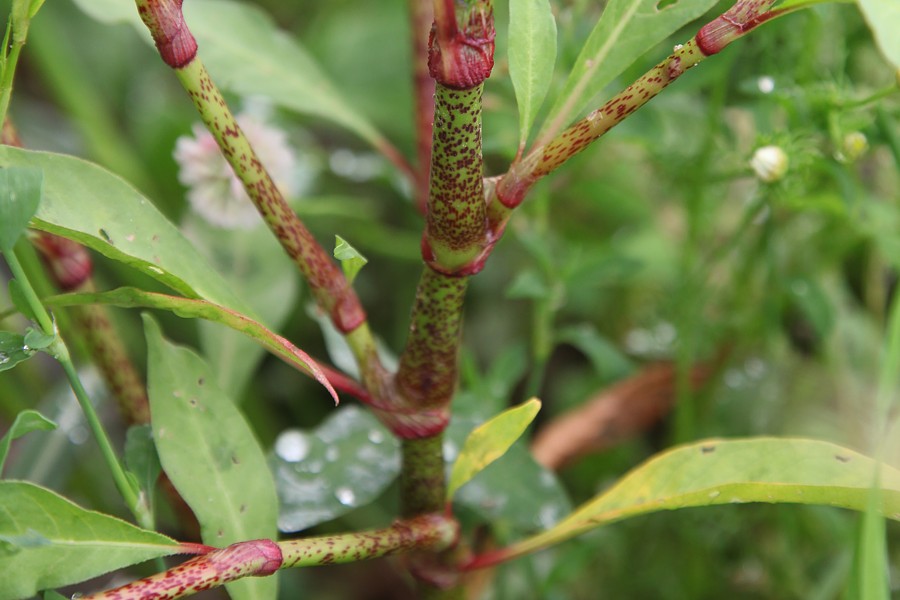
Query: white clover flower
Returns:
{"type": "Point", "coordinates": [214, 192]}
{"type": "Point", "coordinates": [770, 163]}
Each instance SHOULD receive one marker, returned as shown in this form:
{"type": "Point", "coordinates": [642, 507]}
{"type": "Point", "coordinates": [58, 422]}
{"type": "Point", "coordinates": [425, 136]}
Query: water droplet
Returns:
{"type": "Point", "coordinates": [332, 454]}
{"type": "Point", "coordinates": [375, 436]}
{"type": "Point", "coordinates": [156, 270]}
{"type": "Point", "coordinates": [292, 445]}
{"type": "Point", "coordinates": [737, 500]}
{"type": "Point", "coordinates": [345, 496]}
{"type": "Point", "coordinates": [714, 494]}
{"type": "Point", "coordinates": [548, 516]}
{"type": "Point", "coordinates": [450, 450]}
{"type": "Point", "coordinates": [766, 84]}
{"type": "Point", "coordinates": [4, 358]}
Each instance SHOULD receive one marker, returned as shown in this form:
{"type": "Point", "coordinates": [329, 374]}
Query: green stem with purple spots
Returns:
{"type": "Point", "coordinates": [259, 558]}
{"type": "Point", "coordinates": [743, 17]}
{"type": "Point", "coordinates": [332, 291]}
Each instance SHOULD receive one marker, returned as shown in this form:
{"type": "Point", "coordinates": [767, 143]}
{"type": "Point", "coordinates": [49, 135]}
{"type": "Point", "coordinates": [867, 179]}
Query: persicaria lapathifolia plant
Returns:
{"type": "Point", "coordinates": [419, 427]}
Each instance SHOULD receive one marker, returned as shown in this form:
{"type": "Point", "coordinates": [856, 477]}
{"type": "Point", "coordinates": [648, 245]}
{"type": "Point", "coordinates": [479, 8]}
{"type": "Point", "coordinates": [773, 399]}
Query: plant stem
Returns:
{"type": "Point", "coordinates": [258, 558]}
{"type": "Point", "coordinates": [61, 354]}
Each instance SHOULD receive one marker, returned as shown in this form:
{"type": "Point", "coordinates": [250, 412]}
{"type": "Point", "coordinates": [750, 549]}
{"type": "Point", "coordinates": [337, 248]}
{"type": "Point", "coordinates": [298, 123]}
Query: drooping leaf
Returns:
{"type": "Point", "coordinates": [26, 422]}
{"type": "Point", "coordinates": [258, 270]}
{"type": "Point", "coordinates": [47, 541]}
{"type": "Point", "coordinates": [201, 309]}
{"type": "Point", "coordinates": [490, 441]}
{"type": "Point", "coordinates": [344, 463]}
{"type": "Point", "coordinates": [20, 194]}
{"type": "Point", "coordinates": [13, 350]}
{"type": "Point", "coordinates": [711, 472]}
{"type": "Point", "coordinates": [883, 18]}
{"type": "Point", "coordinates": [625, 31]}
{"type": "Point", "coordinates": [248, 55]}
{"type": "Point", "coordinates": [94, 207]}
{"type": "Point", "coordinates": [210, 454]}
{"type": "Point", "coordinates": [532, 54]}
{"type": "Point", "coordinates": [351, 259]}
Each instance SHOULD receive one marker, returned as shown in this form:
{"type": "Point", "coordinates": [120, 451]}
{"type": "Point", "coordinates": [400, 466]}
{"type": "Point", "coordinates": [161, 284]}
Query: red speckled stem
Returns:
{"type": "Point", "coordinates": [255, 558]}
{"type": "Point", "coordinates": [744, 16]}
{"type": "Point", "coordinates": [258, 558]}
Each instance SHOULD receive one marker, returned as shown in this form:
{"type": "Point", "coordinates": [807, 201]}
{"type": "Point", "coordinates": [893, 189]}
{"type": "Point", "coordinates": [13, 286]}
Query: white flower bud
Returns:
{"type": "Point", "coordinates": [853, 146]}
{"type": "Point", "coordinates": [770, 163]}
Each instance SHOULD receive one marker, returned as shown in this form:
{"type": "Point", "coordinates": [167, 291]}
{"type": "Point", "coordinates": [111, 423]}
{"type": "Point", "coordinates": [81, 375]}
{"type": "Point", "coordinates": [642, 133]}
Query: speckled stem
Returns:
{"type": "Point", "coordinates": [427, 374]}
{"type": "Point", "coordinates": [331, 289]}
{"type": "Point", "coordinates": [744, 16]}
{"type": "Point", "coordinates": [258, 558]}
{"type": "Point", "coordinates": [422, 485]}
{"type": "Point", "coordinates": [456, 226]}
{"type": "Point", "coordinates": [425, 532]}
{"type": "Point", "coordinates": [245, 559]}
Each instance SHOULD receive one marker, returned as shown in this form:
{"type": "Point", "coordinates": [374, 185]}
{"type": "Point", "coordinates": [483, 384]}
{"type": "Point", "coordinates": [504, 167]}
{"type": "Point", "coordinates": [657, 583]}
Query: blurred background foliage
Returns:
{"type": "Point", "coordinates": [657, 243]}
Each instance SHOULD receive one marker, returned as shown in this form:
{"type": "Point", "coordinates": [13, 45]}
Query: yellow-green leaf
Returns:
{"type": "Point", "coordinates": [489, 441]}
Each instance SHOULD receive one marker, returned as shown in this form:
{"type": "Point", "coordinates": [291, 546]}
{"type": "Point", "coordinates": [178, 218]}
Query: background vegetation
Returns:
{"type": "Point", "coordinates": [657, 244]}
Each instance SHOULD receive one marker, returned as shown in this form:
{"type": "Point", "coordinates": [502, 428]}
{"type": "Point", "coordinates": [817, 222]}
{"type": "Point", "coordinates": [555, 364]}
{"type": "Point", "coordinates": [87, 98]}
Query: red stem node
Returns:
{"type": "Point", "coordinates": [462, 59]}
{"type": "Point", "coordinates": [734, 23]}
{"type": "Point", "coordinates": [173, 39]}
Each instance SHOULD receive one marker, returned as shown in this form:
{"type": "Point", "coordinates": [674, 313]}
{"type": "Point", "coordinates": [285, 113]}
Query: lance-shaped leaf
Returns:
{"type": "Point", "coordinates": [626, 29]}
{"type": "Point", "coordinates": [47, 541]}
{"type": "Point", "coordinates": [532, 54]}
{"type": "Point", "coordinates": [351, 259]}
{"type": "Point", "coordinates": [727, 472]}
{"type": "Point", "coordinates": [20, 194]}
{"type": "Point", "coordinates": [490, 441]}
{"type": "Point", "coordinates": [248, 55]}
{"type": "Point", "coordinates": [26, 422]}
{"type": "Point", "coordinates": [85, 203]}
{"type": "Point", "coordinates": [883, 18]}
{"type": "Point", "coordinates": [210, 454]}
{"type": "Point", "coordinates": [200, 309]}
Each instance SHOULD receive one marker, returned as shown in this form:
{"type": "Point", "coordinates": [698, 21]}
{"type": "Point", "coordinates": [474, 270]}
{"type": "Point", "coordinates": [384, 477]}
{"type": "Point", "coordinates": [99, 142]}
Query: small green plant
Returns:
{"type": "Point", "coordinates": [431, 463]}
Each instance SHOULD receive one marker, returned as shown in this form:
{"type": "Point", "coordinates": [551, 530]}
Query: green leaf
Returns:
{"type": "Point", "coordinates": [344, 463]}
{"type": "Point", "coordinates": [96, 208]}
{"type": "Point", "coordinates": [776, 470]}
{"type": "Point", "coordinates": [626, 30]}
{"type": "Point", "coordinates": [248, 55]}
{"type": "Point", "coordinates": [26, 422]}
{"type": "Point", "coordinates": [883, 18]}
{"type": "Point", "coordinates": [12, 350]}
{"type": "Point", "coordinates": [142, 460]}
{"type": "Point", "coordinates": [609, 362]}
{"type": "Point", "coordinates": [351, 260]}
{"type": "Point", "coordinates": [490, 441]}
{"type": "Point", "coordinates": [20, 195]}
{"type": "Point", "coordinates": [38, 340]}
{"type": "Point", "coordinates": [532, 54]}
{"type": "Point", "coordinates": [201, 309]}
{"type": "Point", "coordinates": [210, 454]}
{"type": "Point", "coordinates": [47, 541]}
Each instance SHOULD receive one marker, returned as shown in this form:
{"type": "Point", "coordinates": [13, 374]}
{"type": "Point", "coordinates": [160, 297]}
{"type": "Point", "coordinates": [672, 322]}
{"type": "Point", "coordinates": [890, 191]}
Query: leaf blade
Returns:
{"type": "Point", "coordinates": [20, 195]}
{"type": "Point", "coordinates": [201, 309]}
{"type": "Point", "coordinates": [711, 472]}
{"type": "Point", "coordinates": [210, 454]}
{"type": "Point", "coordinates": [882, 16]}
{"type": "Point", "coordinates": [26, 422]}
{"type": "Point", "coordinates": [48, 541]}
{"type": "Point", "coordinates": [532, 54]}
{"type": "Point", "coordinates": [489, 441]}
